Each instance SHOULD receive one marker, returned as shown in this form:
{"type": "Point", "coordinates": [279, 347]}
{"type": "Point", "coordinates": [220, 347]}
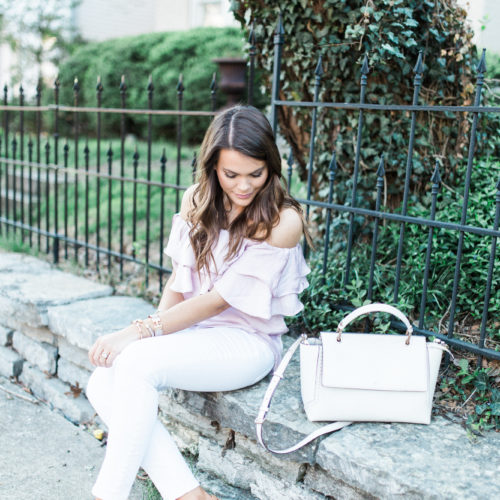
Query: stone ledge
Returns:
{"type": "Point", "coordinates": [363, 461]}
{"type": "Point", "coordinates": [82, 322]}
{"type": "Point", "coordinates": [25, 293]}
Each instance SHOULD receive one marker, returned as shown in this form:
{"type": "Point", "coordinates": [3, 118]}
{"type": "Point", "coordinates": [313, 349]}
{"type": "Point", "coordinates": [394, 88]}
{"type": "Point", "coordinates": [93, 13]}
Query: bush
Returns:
{"type": "Point", "coordinates": [164, 56]}
{"type": "Point", "coordinates": [325, 293]}
{"type": "Point", "coordinates": [391, 33]}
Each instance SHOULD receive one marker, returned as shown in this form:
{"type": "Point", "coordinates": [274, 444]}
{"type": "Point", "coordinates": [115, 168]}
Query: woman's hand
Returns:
{"type": "Point", "coordinates": [107, 347]}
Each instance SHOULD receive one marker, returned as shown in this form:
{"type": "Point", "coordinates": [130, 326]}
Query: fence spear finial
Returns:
{"type": "Point", "coordinates": [180, 84]}
{"type": "Point", "coordinates": [365, 68]}
{"type": "Point", "coordinates": [279, 27]}
{"type": "Point", "coordinates": [481, 67]}
{"type": "Point", "coordinates": [123, 85]}
{"type": "Point", "coordinates": [381, 169]}
{"type": "Point", "coordinates": [150, 87]}
{"type": "Point", "coordinates": [419, 67]}
{"type": "Point", "coordinates": [289, 161]}
{"type": "Point", "coordinates": [436, 176]}
{"type": "Point", "coordinates": [251, 37]}
{"type": "Point", "coordinates": [319, 67]}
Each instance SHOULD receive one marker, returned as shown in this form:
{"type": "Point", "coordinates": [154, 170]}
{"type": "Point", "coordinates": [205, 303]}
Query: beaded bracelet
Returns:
{"type": "Point", "coordinates": [138, 324]}
{"type": "Point", "coordinates": [157, 326]}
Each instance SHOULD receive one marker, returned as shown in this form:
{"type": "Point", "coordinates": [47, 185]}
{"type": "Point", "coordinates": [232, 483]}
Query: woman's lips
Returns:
{"type": "Point", "coordinates": [243, 196]}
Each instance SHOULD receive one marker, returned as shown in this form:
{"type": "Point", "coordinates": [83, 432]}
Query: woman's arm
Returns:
{"type": "Point", "coordinates": [191, 311]}
{"type": "Point", "coordinates": [177, 317]}
{"type": "Point", "coordinates": [169, 298]}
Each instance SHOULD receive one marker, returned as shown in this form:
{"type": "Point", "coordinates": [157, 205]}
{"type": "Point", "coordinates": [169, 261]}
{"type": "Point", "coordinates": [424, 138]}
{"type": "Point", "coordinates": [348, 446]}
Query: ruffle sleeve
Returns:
{"type": "Point", "coordinates": [265, 281]}
{"type": "Point", "coordinates": [180, 251]}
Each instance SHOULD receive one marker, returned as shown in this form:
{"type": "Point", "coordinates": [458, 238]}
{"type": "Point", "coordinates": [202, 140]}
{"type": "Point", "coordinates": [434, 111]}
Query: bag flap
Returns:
{"type": "Point", "coordinates": [375, 361]}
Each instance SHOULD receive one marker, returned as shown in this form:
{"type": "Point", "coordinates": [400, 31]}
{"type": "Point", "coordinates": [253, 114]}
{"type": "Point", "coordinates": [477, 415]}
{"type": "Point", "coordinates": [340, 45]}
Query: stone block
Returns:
{"type": "Point", "coordinates": [72, 374]}
{"type": "Point", "coordinates": [287, 470]}
{"type": "Point", "coordinates": [57, 394]}
{"type": "Point", "coordinates": [11, 364]}
{"type": "Point", "coordinates": [232, 467]}
{"type": "Point", "coordinates": [174, 412]}
{"type": "Point", "coordinates": [5, 336]}
{"type": "Point", "coordinates": [322, 482]}
{"type": "Point", "coordinates": [40, 334]}
{"type": "Point", "coordinates": [221, 489]}
{"type": "Point", "coordinates": [80, 323]}
{"type": "Point", "coordinates": [187, 427]}
{"type": "Point", "coordinates": [265, 486]}
{"type": "Point", "coordinates": [406, 461]}
{"type": "Point", "coordinates": [11, 262]}
{"type": "Point", "coordinates": [43, 355]}
{"type": "Point", "coordinates": [72, 353]}
{"type": "Point", "coordinates": [26, 297]}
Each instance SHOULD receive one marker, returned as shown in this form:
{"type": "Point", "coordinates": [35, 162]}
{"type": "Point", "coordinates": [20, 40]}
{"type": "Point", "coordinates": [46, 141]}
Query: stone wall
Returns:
{"type": "Point", "coordinates": [49, 320]}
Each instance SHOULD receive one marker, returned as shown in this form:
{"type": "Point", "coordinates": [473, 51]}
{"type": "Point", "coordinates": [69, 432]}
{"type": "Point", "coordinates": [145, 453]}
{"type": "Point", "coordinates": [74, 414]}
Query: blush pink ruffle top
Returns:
{"type": "Point", "coordinates": [261, 282]}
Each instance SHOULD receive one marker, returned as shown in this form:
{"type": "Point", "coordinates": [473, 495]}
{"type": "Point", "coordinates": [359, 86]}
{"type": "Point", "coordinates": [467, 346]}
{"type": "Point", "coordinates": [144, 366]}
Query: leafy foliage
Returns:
{"type": "Point", "coordinates": [391, 33]}
{"type": "Point", "coordinates": [474, 391]}
{"type": "Point", "coordinates": [164, 56]}
{"type": "Point", "coordinates": [326, 292]}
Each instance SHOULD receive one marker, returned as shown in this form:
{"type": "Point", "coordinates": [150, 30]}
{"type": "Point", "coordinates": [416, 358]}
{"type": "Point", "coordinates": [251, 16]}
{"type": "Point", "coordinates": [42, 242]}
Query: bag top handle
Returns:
{"type": "Point", "coordinates": [376, 307]}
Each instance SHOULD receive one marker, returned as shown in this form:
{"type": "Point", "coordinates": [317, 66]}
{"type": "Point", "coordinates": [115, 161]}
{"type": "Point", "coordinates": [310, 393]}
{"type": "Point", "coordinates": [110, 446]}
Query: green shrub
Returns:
{"type": "Point", "coordinates": [164, 56]}
{"type": "Point", "coordinates": [325, 293]}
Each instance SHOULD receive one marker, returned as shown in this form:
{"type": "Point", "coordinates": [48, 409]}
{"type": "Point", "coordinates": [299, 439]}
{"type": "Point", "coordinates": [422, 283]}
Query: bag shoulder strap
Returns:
{"type": "Point", "coordinates": [264, 407]}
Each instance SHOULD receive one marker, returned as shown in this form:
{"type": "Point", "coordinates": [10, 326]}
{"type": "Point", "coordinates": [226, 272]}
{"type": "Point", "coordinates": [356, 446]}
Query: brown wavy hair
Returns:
{"type": "Point", "coordinates": [246, 130]}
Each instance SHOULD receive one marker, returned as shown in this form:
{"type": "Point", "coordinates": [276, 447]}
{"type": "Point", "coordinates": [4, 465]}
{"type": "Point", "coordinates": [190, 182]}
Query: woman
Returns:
{"type": "Point", "coordinates": [237, 270]}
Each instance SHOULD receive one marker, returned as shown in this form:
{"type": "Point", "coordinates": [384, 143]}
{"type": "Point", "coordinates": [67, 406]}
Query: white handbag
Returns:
{"type": "Point", "coordinates": [359, 377]}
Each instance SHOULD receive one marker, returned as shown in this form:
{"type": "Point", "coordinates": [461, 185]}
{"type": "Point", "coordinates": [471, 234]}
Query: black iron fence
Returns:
{"type": "Point", "coordinates": [49, 183]}
{"type": "Point", "coordinates": [70, 196]}
{"type": "Point", "coordinates": [402, 218]}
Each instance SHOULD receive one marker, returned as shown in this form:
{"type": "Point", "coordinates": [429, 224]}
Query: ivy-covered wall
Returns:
{"type": "Point", "coordinates": [391, 33]}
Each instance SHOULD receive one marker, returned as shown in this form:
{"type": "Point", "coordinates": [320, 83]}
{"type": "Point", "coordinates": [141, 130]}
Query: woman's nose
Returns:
{"type": "Point", "coordinates": [243, 185]}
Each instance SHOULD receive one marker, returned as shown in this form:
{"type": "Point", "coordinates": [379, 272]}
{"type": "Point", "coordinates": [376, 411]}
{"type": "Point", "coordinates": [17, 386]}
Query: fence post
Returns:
{"type": "Point", "coordinates": [278, 47]}
{"type": "Point", "coordinates": [481, 69]}
{"type": "Point", "coordinates": [364, 78]}
{"type": "Point", "coordinates": [251, 53]}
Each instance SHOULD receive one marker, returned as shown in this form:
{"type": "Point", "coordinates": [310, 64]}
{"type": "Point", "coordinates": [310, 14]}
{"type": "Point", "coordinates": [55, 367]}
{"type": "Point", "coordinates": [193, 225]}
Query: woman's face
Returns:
{"type": "Point", "coordinates": [241, 177]}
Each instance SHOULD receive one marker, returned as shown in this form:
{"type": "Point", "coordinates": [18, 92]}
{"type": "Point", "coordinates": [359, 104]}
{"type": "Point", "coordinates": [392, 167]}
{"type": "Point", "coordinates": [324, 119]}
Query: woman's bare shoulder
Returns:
{"type": "Point", "coordinates": [187, 201]}
{"type": "Point", "coordinates": [288, 231]}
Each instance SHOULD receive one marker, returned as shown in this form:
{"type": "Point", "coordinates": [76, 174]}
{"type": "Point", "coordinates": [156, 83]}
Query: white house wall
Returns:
{"type": "Point", "coordinates": [99, 20]}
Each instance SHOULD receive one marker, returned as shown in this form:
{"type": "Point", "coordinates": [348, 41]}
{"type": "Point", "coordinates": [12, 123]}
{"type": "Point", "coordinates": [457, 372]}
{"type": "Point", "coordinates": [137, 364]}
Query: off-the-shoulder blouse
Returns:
{"type": "Point", "coordinates": [261, 283]}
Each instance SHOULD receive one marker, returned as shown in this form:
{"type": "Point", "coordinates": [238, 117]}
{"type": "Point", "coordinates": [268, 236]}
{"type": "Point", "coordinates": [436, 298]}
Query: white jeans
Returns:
{"type": "Point", "coordinates": [126, 398]}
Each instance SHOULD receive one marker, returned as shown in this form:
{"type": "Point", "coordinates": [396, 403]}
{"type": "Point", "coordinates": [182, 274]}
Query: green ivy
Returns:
{"type": "Point", "coordinates": [478, 388]}
{"type": "Point", "coordinates": [391, 33]}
